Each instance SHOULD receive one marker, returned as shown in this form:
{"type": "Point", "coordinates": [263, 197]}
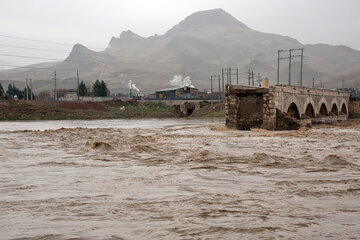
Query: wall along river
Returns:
{"type": "Point", "coordinates": [177, 179]}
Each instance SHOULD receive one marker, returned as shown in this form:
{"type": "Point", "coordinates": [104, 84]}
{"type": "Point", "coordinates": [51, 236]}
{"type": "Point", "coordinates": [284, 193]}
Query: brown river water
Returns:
{"type": "Point", "coordinates": [177, 179]}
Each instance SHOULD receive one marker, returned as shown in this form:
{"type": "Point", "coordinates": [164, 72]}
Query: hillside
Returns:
{"type": "Point", "coordinates": [199, 46]}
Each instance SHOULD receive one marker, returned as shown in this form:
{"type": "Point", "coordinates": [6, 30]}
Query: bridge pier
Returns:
{"type": "Point", "coordinates": [283, 107]}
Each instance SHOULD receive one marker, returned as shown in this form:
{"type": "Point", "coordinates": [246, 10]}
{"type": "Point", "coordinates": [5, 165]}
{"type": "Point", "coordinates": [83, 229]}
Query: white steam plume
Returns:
{"type": "Point", "coordinates": [179, 81]}
{"type": "Point", "coordinates": [132, 86]}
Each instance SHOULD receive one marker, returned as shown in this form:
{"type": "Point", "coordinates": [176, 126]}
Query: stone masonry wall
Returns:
{"type": "Point", "coordinates": [269, 111]}
{"type": "Point", "coordinates": [248, 107]}
{"type": "Point", "coordinates": [250, 111]}
{"type": "Point", "coordinates": [231, 110]}
{"type": "Point", "coordinates": [244, 107]}
{"type": "Point", "coordinates": [302, 96]}
{"type": "Point", "coordinates": [354, 109]}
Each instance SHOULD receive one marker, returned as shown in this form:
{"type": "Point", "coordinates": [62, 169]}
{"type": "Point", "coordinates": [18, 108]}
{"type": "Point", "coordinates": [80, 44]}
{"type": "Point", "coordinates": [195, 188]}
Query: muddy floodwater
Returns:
{"type": "Point", "coordinates": [177, 179]}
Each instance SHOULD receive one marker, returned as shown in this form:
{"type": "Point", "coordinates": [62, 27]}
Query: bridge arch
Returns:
{"type": "Point", "coordinates": [292, 100]}
{"type": "Point", "coordinates": [334, 109]}
{"type": "Point", "coordinates": [309, 107]}
{"type": "Point", "coordinates": [323, 107]}
{"type": "Point", "coordinates": [334, 106]}
{"type": "Point", "coordinates": [309, 111]}
{"type": "Point", "coordinates": [323, 110]}
{"type": "Point", "coordinates": [344, 109]}
{"type": "Point", "coordinates": [293, 111]}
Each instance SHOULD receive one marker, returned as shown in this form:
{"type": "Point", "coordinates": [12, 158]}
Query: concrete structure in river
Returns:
{"type": "Point", "coordinates": [283, 106]}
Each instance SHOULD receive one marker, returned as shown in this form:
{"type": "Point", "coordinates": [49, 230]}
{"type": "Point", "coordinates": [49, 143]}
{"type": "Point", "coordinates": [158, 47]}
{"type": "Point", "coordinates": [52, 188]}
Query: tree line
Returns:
{"type": "Point", "coordinates": [15, 92]}
{"type": "Point", "coordinates": [98, 89]}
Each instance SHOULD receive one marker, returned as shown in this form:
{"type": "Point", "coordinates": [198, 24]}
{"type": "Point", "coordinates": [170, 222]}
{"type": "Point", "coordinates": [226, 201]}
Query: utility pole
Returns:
{"type": "Point", "coordinates": [55, 91]}
{"type": "Point", "coordinates": [301, 67]}
{"type": "Point", "coordinates": [237, 76]}
{"type": "Point", "coordinates": [223, 82]}
{"type": "Point", "coordinates": [26, 90]}
{"type": "Point", "coordinates": [290, 57]}
{"type": "Point", "coordinates": [252, 77]}
{"type": "Point", "coordinates": [290, 66]}
{"type": "Point", "coordinates": [259, 79]}
{"type": "Point", "coordinates": [249, 75]}
{"type": "Point", "coordinates": [220, 88]}
{"type": "Point", "coordinates": [229, 72]}
{"type": "Point", "coordinates": [211, 87]}
{"type": "Point", "coordinates": [278, 67]}
{"type": "Point", "coordinates": [77, 77]}
{"type": "Point", "coordinates": [313, 82]}
{"type": "Point", "coordinates": [31, 90]}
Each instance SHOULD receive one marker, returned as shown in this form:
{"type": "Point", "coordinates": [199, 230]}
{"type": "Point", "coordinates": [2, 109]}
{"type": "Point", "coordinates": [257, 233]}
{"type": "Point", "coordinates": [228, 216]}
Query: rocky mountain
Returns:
{"type": "Point", "coordinates": [199, 46]}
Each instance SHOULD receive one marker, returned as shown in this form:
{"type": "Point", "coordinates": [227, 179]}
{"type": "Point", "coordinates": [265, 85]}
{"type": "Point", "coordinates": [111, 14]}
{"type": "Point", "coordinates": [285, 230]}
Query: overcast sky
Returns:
{"type": "Point", "coordinates": [93, 22]}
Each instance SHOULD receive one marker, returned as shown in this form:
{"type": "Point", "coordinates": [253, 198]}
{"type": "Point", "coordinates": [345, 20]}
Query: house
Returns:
{"type": "Point", "coordinates": [70, 95]}
{"type": "Point", "coordinates": [185, 92]}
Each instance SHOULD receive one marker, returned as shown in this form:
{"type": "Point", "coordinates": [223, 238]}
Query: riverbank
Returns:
{"type": "Point", "coordinates": [51, 110]}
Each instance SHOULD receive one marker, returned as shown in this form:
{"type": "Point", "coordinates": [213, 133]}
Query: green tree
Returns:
{"type": "Point", "coordinates": [10, 90]}
{"type": "Point", "coordinates": [1, 90]}
{"type": "Point", "coordinates": [82, 89]}
{"type": "Point", "coordinates": [13, 90]}
{"type": "Point", "coordinates": [100, 89]}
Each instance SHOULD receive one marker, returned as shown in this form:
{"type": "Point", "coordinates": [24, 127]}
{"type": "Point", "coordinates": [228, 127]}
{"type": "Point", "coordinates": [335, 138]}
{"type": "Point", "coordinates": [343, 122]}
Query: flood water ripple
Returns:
{"type": "Point", "coordinates": [177, 179]}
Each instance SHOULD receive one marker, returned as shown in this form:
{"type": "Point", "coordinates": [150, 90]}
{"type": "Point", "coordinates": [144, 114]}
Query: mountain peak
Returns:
{"type": "Point", "coordinates": [208, 18]}
{"type": "Point", "coordinates": [125, 37]}
{"type": "Point", "coordinates": [79, 48]}
{"type": "Point", "coordinates": [129, 35]}
{"type": "Point", "coordinates": [78, 51]}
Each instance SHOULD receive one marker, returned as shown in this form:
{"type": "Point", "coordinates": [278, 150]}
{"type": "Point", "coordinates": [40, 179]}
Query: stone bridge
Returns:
{"type": "Point", "coordinates": [274, 107]}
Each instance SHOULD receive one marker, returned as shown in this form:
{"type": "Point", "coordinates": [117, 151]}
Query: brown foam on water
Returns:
{"type": "Point", "coordinates": [143, 148]}
{"type": "Point", "coordinates": [267, 160]}
{"type": "Point", "coordinates": [330, 163]}
{"type": "Point", "coordinates": [104, 146]}
{"type": "Point", "coordinates": [220, 128]}
{"type": "Point", "coordinates": [338, 161]}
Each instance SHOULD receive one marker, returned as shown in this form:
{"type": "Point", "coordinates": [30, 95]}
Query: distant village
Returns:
{"type": "Point", "coordinates": [98, 91]}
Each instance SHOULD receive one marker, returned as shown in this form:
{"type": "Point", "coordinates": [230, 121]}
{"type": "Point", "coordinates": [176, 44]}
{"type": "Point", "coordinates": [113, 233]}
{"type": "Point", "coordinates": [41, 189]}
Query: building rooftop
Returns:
{"type": "Point", "coordinates": [174, 88]}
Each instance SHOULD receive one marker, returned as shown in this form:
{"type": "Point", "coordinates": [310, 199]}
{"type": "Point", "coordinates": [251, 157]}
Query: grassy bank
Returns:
{"type": "Point", "coordinates": [51, 110]}
{"type": "Point", "coordinates": [208, 110]}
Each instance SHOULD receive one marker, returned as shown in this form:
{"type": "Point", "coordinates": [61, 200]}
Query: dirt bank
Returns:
{"type": "Point", "coordinates": [51, 110]}
{"type": "Point", "coordinates": [208, 110]}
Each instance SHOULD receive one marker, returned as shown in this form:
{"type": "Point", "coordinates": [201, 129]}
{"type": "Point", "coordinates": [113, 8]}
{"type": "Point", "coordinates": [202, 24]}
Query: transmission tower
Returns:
{"type": "Point", "coordinates": [294, 52]}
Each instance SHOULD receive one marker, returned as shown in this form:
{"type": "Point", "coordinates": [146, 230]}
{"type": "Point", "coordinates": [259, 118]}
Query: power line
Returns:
{"type": "Point", "coordinates": [49, 50]}
{"type": "Point", "coordinates": [43, 41]}
{"type": "Point", "coordinates": [50, 69]}
{"type": "Point", "coordinates": [149, 58]}
{"type": "Point", "coordinates": [66, 44]}
{"type": "Point", "coordinates": [52, 59]}
{"type": "Point", "coordinates": [39, 49]}
{"type": "Point", "coordinates": [291, 55]}
{"type": "Point", "coordinates": [20, 56]}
